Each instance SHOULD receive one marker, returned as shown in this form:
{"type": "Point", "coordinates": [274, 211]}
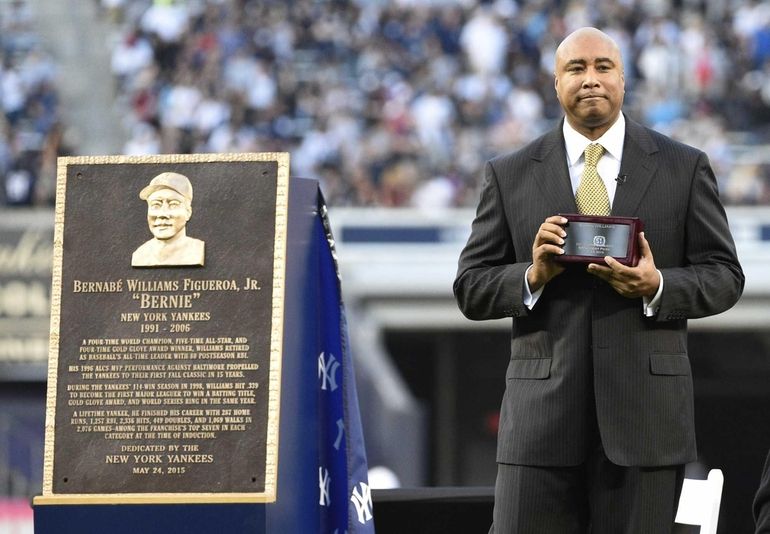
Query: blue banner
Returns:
{"type": "Point", "coordinates": [345, 499]}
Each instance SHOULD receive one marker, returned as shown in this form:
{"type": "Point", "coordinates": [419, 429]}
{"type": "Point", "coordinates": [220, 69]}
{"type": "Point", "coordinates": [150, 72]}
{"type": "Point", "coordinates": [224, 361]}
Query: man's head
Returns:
{"type": "Point", "coordinates": [169, 198]}
{"type": "Point", "coordinates": [589, 81]}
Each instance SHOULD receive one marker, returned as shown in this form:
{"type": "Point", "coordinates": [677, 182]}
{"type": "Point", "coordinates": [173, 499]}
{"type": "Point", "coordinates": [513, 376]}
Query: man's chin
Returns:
{"type": "Point", "coordinates": [163, 237]}
{"type": "Point", "coordinates": [597, 119]}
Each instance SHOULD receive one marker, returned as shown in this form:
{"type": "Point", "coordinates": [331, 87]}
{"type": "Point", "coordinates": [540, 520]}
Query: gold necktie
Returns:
{"type": "Point", "coordinates": [591, 195]}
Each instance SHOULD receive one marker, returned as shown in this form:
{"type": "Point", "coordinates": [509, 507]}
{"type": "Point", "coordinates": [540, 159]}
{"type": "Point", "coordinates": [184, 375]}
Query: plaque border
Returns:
{"type": "Point", "coordinates": [276, 335]}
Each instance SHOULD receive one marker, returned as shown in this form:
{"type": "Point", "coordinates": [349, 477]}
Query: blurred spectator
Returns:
{"type": "Point", "coordinates": [132, 54]}
{"type": "Point", "coordinates": [485, 42]}
{"type": "Point", "coordinates": [144, 140]}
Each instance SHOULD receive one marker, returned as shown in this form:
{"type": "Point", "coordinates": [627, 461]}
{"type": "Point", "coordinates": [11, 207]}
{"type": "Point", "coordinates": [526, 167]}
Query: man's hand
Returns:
{"type": "Point", "coordinates": [548, 241]}
{"type": "Point", "coordinates": [632, 282]}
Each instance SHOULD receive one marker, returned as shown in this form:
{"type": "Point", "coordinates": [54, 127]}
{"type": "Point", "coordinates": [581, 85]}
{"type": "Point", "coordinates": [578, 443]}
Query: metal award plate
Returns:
{"type": "Point", "coordinates": [590, 238]}
{"type": "Point", "coordinates": [166, 329]}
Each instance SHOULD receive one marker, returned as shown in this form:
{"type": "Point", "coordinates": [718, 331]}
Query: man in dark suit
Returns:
{"type": "Point", "coordinates": [597, 416]}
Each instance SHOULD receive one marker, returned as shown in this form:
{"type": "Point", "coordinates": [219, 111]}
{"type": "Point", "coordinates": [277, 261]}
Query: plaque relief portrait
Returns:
{"type": "Point", "coordinates": [169, 206]}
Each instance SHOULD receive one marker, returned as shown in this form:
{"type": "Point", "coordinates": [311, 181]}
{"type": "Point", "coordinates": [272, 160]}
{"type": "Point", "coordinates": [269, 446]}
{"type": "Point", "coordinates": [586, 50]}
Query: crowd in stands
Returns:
{"type": "Point", "coordinates": [31, 135]}
{"type": "Point", "coordinates": [400, 102]}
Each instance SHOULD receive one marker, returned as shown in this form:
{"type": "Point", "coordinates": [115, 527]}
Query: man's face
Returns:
{"type": "Point", "coordinates": [589, 82]}
{"type": "Point", "coordinates": [167, 213]}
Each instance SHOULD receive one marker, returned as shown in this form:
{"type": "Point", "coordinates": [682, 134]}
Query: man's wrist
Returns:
{"type": "Point", "coordinates": [651, 304]}
{"type": "Point", "coordinates": [530, 296]}
{"type": "Point", "coordinates": [532, 280]}
{"type": "Point", "coordinates": [655, 281]}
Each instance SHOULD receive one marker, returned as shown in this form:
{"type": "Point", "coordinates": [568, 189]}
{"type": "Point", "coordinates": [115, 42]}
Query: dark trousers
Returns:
{"type": "Point", "coordinates": [596, 497]}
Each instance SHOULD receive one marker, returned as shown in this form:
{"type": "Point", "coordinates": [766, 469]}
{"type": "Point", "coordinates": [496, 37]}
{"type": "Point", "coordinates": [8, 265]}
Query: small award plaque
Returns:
{"type": "Point", "coordinates": [590, 238]}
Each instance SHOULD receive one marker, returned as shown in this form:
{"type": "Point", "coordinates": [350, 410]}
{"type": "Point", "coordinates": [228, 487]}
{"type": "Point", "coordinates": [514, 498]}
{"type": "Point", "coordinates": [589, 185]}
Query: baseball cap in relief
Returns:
{"type": "Point", "coordinates": [168, 180]}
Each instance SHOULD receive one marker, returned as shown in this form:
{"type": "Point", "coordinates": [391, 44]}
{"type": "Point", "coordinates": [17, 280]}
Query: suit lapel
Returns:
{"type": "Point", "coordinates": [552, 174]}
{"type": "Point", "coordinates": [639, 164]}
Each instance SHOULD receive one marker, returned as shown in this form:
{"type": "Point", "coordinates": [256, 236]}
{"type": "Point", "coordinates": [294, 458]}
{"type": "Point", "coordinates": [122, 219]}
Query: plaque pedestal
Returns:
{"type": "Point", "coordinates": [297, 506]}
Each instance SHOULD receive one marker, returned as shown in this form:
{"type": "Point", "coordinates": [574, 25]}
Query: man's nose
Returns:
{"type": "Point", "coordinates": [590, 79]}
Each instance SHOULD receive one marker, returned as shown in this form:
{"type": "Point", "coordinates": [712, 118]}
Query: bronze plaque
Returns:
{"type": "Point", "coordinates": [166, 329]}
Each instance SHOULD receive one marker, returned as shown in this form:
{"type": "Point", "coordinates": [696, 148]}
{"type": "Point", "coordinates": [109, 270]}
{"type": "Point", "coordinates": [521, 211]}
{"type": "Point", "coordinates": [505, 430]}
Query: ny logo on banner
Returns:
{"type": "Point", "coordinates": [323, 486]}
{"type": "Point", "coordinates": [340, 433]}
{"type": "Point", "coordinates": [363, 503]}
{"type": "Point", "coordinates": [327, 371]}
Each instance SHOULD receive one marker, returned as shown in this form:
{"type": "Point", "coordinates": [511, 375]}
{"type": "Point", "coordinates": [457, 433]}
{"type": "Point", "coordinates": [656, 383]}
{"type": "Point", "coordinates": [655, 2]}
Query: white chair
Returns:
{"type": "Point", "coordinates": [699, 502]}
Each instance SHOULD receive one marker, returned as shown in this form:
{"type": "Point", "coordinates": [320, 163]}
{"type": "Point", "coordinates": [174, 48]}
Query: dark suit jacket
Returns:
{"type": "Point", "coordinates": [584, 354]}
{"type": "Point", "coordinates": [762, 502]}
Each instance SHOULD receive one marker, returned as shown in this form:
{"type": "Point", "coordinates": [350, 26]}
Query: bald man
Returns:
{"type": "Point", "coordinates": [169, 207]}
{"type": "Point", "coordinates": [597, 418]}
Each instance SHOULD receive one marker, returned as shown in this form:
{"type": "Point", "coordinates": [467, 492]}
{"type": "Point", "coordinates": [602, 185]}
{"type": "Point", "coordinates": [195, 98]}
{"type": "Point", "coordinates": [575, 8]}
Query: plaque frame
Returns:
{"type": "Point", "coordinates": [631, 256]}
{"type": "Point", "coordinates": [269, 494]}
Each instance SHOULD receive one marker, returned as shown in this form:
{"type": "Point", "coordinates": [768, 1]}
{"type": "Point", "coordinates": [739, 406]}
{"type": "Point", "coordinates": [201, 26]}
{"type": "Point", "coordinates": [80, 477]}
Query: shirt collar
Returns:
{"type": "Point", "coordinates": [612, 140]}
